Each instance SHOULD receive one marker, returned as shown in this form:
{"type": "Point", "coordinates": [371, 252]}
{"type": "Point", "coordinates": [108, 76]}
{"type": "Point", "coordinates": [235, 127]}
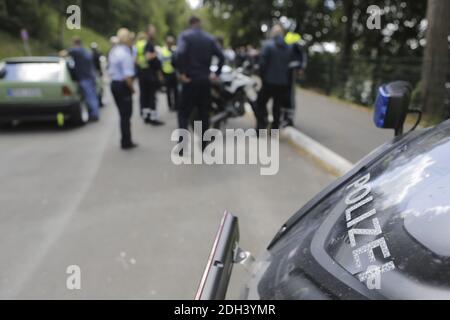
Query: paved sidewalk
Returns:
{"type": "Point", "coordinates": [346, 129]}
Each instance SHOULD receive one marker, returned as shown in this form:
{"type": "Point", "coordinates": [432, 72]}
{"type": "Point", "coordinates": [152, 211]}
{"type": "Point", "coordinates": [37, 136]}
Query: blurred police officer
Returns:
{"type": "Point", "coordinates": [97, 58]}
{"type": "Point", "coordinates": [297, 67]}
{"type": "Point", "coordinates": [274, 68]}
{"type": "Point", "coordinates": [122, 72]}
{"type": "Point", "coordinates": [195, 51]}
{"type": "Point", "coordinates": [149, 69]}
{"type": "Point", "coordinates": [170, 76]}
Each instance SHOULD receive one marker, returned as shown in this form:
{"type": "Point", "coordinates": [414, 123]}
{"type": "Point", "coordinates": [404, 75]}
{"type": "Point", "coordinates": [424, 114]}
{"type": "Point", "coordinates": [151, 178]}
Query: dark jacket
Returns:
{"type": "Point", "coordinates": [84, 64]}
{"type": "Point", "coordinates": [299, 59]}
{"type": "Point", "coordinates": [195, 50]}
{"type": "Point", "coordinates": [274, 62]}
{"type": "Point", "coordinates": [154, 66]}
{"type": "Point", "coordinates": [96, 58]}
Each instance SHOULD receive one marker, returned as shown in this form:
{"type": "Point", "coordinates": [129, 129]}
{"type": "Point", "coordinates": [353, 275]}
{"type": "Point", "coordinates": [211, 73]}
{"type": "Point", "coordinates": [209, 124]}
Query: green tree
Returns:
{"type": "Point", "coordinates": [436, 60]}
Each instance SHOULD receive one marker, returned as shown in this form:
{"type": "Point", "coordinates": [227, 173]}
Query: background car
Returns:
{"type": "Point", "coordinates": [40, 89]}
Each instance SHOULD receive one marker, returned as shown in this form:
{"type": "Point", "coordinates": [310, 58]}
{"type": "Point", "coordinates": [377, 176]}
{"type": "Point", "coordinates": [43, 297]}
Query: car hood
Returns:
{"type": "Point", "coordinates": [380, 232]}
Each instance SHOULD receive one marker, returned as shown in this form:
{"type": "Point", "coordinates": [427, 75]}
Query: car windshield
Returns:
{"type": "Point", "coordinates": [33, 72]}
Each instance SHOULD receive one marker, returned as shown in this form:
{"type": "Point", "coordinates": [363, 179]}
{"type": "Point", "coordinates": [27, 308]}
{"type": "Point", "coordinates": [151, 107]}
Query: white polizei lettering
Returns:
{"type": "Point", "coordinates": [362, 181]}
{"type": "Point", "coordinates": [348, 212]}
{"type": "Point", "coordinates": [357, 199]}
{"type": "Point", "coordinates": [351, 199]}
{"type": "Point", "coordinates": [361, 218]}
{"type": "Point", "coordinates": [368, 248]}
{"type": "Point", "coordinates": [368, 232]}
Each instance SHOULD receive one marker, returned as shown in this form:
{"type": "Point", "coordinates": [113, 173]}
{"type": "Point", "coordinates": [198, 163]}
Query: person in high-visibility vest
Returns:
{"type": "Point", "coordinates": [149, 70]}
{"type": "Point", "coordinates": [141, 42]}
{"type": "Point", "coordinates": [292, 37]}
{"type": "Point", "coordinates": [296, 67]}
{"type": "Point", "coordinates": [170, 76]}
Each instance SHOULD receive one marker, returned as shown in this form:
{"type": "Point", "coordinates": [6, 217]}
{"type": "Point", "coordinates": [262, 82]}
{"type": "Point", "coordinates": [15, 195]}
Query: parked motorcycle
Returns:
{"type": "Point", "coordinates": [231, 95]}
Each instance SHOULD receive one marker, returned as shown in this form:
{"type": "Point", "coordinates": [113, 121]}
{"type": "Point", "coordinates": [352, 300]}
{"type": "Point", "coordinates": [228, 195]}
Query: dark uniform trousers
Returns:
{"type": "Point", "coordinates": [123, 97]}
{"type": "Point", "coordinates": [148, 86]}
{"type": "Point", "coordinates": [281, 99]}
{"type": "Point", "coordinates": [172, 90]}
{"type": "Point", "coordinates": [289, 112]}
{"type": "Point", "coordinates": [196, 94]}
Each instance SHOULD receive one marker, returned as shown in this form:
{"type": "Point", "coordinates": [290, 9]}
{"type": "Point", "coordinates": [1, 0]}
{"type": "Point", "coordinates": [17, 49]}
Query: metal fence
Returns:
{"type": "Point", "coordinates": [357, 81]}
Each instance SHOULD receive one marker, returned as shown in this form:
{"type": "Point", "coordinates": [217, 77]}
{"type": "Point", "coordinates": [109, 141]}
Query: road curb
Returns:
{"type": "Point", "coordinates": [332, 161]}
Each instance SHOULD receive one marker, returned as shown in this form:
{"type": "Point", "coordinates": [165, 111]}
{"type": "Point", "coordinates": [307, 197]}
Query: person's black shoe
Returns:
{"type": "Point", "coordinates": [155, 123]}
{"type": "Point", "coordinates": [289, 123]}
{"type": "Point", "coordinates": [286, 123]}
{"type": "Point", "coordinates": [129, 146]}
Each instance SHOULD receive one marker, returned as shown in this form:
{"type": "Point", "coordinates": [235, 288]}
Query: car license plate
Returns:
{"type": "Point", "coordinates": [24, 93]}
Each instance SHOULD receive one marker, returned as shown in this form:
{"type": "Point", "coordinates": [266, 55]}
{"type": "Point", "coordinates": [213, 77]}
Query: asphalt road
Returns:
{"type": "Point", "coordinates": [137, 225]}
{"type": "Point", "coordinates": [345, 129]}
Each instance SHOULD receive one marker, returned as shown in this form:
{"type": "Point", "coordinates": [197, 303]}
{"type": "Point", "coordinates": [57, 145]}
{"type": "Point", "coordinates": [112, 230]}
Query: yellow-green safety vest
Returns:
{"type": "Point", "coordinates": [292, 37]}
{"type": "Point", "coordinates": [167, 66]}
{"type": "Point", "coordinates": [141, 58]}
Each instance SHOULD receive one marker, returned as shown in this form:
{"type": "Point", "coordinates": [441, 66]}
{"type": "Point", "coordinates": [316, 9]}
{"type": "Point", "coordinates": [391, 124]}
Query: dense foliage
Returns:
{"type": "Point", "coordinates": [359, 61]}
{"type": "Point", "coordinates": [102, 16]}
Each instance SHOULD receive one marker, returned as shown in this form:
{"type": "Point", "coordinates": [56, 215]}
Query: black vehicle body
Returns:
{"type": "Point", "coordinates": [39, 112]}
{"type": "Point", "coordinates": [312, 258]}
{"type": "Point", "coordinates": [395, 201]}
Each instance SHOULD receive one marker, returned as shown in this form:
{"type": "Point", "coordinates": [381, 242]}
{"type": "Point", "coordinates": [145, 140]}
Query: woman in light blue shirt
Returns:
{"type": "Point", "coordinates": [122, 71]}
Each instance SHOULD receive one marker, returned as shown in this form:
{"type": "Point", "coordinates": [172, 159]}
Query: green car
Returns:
{"type": "Point", "coordinates": [41, 89]}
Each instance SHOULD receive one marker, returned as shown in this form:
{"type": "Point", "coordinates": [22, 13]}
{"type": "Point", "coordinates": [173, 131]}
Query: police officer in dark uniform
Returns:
{"type": "Point", "coordinates": [149, 74]}
{"type": "Point", "coordinates": [96, 58]}
{"type": "Point", "coordinates": [194, 54]}
{"type": "Point", "coordinates": [274, 68]}
{"type": "Point", "coordinates": [170, 76]}
{"type": "Point", "coordinates": [297, 68]}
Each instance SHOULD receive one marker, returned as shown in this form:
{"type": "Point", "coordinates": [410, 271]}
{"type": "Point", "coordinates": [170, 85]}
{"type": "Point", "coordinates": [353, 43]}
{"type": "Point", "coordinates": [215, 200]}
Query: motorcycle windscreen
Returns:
{"type": "Point", "coordinates": [217, 274]}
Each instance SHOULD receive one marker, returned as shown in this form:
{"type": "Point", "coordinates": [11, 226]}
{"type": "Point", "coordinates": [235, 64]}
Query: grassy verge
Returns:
{"type": "Point", "coordinates": [88, 36]}
{"type": "Point", "coordinates": [12, 45]}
